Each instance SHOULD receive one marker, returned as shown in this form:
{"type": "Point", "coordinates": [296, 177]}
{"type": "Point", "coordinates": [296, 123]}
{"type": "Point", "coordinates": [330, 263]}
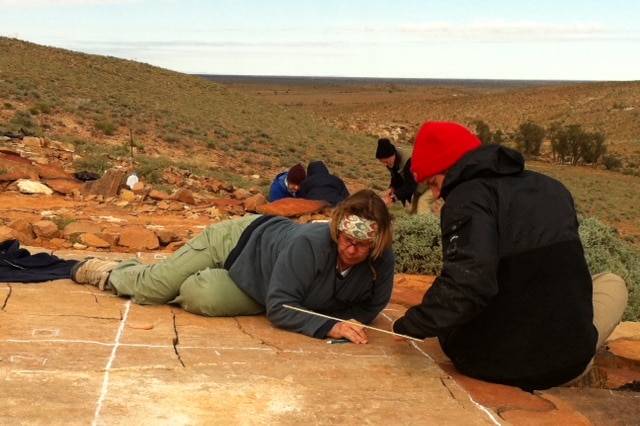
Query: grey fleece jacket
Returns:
{"type": "Point", "coordinates": [284, 262]}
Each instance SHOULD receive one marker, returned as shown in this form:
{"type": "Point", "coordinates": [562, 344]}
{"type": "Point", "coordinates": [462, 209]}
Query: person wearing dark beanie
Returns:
{"type": "Point", "coordinates": [402, 186]}
{"type": "Point", "coordinates": [514, 303]}
{"type": "Point", "coordinates": [287, 183]}
{"type": "Point", "coordinates": [385, 149]}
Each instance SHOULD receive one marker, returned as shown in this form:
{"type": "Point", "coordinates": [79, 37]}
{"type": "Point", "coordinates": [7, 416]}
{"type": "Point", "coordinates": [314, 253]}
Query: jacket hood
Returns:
{"type": "Point", "coordinates": [485, 161]}
{"type": "Point", "coordinates": [317, 168]}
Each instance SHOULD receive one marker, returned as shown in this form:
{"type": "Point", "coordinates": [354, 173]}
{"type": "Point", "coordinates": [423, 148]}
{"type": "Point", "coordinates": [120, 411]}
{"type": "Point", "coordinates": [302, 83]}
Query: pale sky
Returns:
{"type": "Point", "coordinates": [461, 39]}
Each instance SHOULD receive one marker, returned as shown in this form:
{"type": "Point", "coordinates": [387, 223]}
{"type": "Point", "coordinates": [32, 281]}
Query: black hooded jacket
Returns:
{"type": "Point", "coordinates": [513, 303]}
{"type": "Point", "coordinates": [322, 185]}
{"type": "Point", "coordinates": [19, 265]}
{"type": "Point", "coordinates": [402, 181]}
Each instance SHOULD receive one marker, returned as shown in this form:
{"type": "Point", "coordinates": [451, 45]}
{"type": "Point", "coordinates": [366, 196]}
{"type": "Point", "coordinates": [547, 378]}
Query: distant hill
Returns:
{"type": "Point", "coordinates": [375, 106]}
{"type": "Point", "coordinates": [350, 81]}
{"type": "Point", "coordinates": [82, 98]}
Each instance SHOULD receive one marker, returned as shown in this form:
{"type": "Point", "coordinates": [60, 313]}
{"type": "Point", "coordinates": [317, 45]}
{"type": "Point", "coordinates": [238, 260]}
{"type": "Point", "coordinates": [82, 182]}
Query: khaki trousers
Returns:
{"type": "Point", "coordinates": [610, 296]}
{"type": "Point", "coordinates": [192, 277]}
{"type": "Point", "coordinates": [423, 204]}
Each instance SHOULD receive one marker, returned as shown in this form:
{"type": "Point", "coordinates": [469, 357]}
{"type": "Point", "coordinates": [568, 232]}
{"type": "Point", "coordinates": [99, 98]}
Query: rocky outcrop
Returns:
{"type": "Point", "coordinates": [25, 170]}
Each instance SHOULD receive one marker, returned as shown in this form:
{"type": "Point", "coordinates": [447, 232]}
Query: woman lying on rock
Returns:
{"type": "Point", "coordinates": [255, 264]}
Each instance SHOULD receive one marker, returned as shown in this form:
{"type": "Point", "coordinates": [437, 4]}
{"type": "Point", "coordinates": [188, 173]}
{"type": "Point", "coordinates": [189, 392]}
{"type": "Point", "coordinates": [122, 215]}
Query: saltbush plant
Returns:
{"type": "Point", "coordinates": [417, 244]}
{"type": "Point", "coordinates": [607, 252]}
{"type": "Point", "coordinates": [418, 248]}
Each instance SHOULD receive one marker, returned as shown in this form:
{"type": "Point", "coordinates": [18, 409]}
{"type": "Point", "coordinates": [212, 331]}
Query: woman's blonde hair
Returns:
{"type": "Point", "coordinates": [368, 205]}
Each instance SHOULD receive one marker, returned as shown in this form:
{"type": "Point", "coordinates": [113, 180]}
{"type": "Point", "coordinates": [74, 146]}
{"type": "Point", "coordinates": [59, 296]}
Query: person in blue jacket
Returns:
{"type": "Point", "coordinates": [343, 268]}
{"type": "Point", "coordinates": [287, 183]}
{"type": "Point", "coordinates": [322, 185]}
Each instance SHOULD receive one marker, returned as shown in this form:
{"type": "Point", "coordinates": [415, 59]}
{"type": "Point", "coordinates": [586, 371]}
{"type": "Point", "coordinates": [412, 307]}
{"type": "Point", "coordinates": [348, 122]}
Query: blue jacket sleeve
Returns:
{"type": "Point", "coordinates": [278, 188]}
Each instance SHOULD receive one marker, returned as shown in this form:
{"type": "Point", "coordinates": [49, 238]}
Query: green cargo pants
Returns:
{"type": "Point", "coordinates": [192, 277]}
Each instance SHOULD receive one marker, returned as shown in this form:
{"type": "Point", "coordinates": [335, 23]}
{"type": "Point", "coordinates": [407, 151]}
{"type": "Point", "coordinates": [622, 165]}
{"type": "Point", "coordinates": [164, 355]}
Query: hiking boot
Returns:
{"type": "Point", "coordinates": [93, 272]}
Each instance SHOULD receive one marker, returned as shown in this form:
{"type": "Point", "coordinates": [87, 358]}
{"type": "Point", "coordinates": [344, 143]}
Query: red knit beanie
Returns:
{"type": "Point", "coordinates": [438, 146]}
{"type": "Point", "coordinates": [296, 174]}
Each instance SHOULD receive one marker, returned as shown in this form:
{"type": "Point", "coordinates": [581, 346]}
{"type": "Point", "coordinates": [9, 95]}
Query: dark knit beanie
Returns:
{"type": "Point", "coordinates": [385, 149]}
{"type": "Point", "coordinates": [296, 174]}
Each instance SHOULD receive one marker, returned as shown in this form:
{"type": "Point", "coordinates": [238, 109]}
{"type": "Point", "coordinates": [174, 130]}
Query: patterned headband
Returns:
{"type": "Point", "coordinates": [358, 227]}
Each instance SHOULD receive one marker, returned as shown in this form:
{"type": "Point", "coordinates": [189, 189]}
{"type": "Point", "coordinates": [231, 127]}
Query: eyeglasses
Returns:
{"type": "Point", "coordinates": [361, 247]}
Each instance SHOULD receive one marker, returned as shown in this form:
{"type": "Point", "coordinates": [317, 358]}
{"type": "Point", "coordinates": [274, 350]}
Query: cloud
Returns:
{"type": "Point", "coordinates": [507, 32]}
{"type": "Point", "coordinates": [31, 3]}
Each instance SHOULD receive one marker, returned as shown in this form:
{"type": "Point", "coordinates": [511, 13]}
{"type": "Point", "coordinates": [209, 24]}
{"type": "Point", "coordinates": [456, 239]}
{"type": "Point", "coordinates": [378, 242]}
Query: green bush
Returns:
{"type": "Point", "coordinates": [23, 119]}
{"type": "Point", "coordinates": [93, 163]}
{"type": "Point", "coordinates": [417, 244]}
{"type": "Point", "coordinates": [607, 252]}
{"type": "Point", "coordinates": [107, 127]}
{"type": "Point", "coordinates": [612, 162]}
{"type": "Point", "coordinates": [418, 248]}
{"type": "Point", "coordinates": [152, 168]}
{"type": "Point", "coordinates": [62, 221]}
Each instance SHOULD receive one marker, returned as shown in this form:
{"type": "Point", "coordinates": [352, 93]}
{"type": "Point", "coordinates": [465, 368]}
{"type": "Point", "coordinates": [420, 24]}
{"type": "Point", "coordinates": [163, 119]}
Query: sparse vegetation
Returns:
{"type": "Point", "coordinates": [106, 127]}
{"type": "Point", "coordinates": [529, 137]}
{"type": "Point", "coordinates": [61, 221]}
{"type": "Point", "coordinates": [572, 144]}
{"type": "Point", "coordinates": [174, 112]}
{"type": "Point", "coordinates": [486, 136]}
{"type": "Point", "coordinates": [607, 252]}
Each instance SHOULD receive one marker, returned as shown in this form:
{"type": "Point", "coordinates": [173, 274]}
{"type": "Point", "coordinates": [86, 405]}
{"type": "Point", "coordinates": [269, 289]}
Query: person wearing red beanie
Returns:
{"type": "Point", "coordinates": [514, 302]}
{"type": "Point", "coordinates": [438, 146]}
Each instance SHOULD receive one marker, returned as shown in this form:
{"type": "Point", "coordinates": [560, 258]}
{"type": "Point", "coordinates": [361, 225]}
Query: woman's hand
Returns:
{"type": "Point", "coordinates": [388, 196]}
{"type": "Point", "coordinates": [349, 330]}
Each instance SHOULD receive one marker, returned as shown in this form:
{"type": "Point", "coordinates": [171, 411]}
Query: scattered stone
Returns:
{"type": "Point", "coordinates": [81, 227]}
{"type": "Point", "coordinates": [234, 210]}
{"type": "Point", "coordinates": [112, 239]}
{"type": "Point", "coordinates": [127, 195]}
{"type": "Point", "coordinates": [31, 187]}
{"type": "Point", "coordinates": [184, 195]}
{"type": "Point", "coordinates": [139, 239]}
{"type": "Point", "coordinates": [241, 194]}
{"type": "Point", "coordinates": [252, 203]}
{"type": "Point", "coordinates": [31, 141]}
{"type": "Point", "coordinates": [93, 240]}
{"type": "Point", "coordinates": [141, 326]}
{"type": "Point", "coordinates": [139, 189]}
{"type": "Point", "coordinates": [166, 236]}
{"type": "Point", "coordinates": [46, 229]}
{"type": "Point", "coordinates": [35, 175]}
{"type": "Point", "coordinates": [52, 171]}
{"type": "Point", "coordinates": [107, 186]}
{"type": "Point", "coordinates": [64, 185]}
{"type": "Point", "coordinates": [23, 227]}
{"type": "Point", "coordinates": [175, 246]}
{"type": "Point", "coordinates": [7, 233]}
{"type": "Point", "coordinates": [54, 144]}
{"type": "Point", "coordinates": [12, 177]}
{"type": "Point", "coordinates": [290, 207]}
{"type": "Point", "coordinates": [154, 194]}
